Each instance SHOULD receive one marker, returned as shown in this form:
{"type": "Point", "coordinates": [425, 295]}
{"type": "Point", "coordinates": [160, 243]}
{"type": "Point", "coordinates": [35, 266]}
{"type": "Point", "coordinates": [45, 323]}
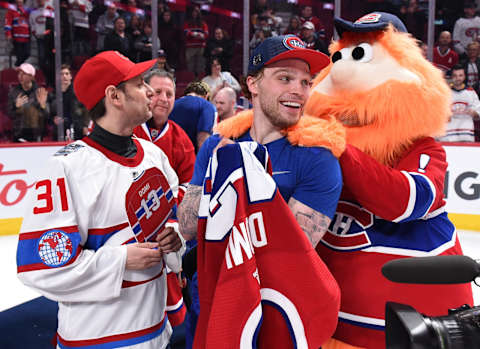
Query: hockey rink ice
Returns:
{"type": "Point", "coordinates": [13, 292]}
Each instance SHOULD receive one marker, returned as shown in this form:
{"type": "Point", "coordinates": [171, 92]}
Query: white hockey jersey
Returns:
{"type": "Point", "coordinates": [83, 210]}
{"type": "Point", "coordinates": [79, 10]}
{"type": "Point", "coordinates": [465, 31]}
{"type": "Point", "coordinates": [37, 20]}
{"type": "Point", "coordinates": [460, 128]}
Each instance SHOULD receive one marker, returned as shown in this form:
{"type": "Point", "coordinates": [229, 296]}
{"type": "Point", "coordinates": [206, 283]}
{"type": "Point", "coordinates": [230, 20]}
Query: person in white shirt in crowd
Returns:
{"type": "Point", "coordinates": [465, 108]}
{"type": "Point", "coordinates": [472, 65]}
{"type": "Point", "coordinates": [79, 13]}
{"type": "Point", "coordinates": [224, 100]}
{"type": "Point", "coordinates": [38, 20]}
{"type": "Point", "coordinates": [217, 79]}
{"type": "Point", "coordinates": [104, 24]}
{"type": "Point", "coordinates": [466, 28]}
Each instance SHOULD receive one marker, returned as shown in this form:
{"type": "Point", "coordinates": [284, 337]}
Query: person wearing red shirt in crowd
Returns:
{"type": "Point", "coordinates": [166, 134]}
{"type": "Point", "coordinates": [196, 33]}
{"type": "Point", "coordinates": [17, 31]}
{"type": "Point", "coordinates": [307, 15]}
{"type": "Point", "coordinates": [443, 56]}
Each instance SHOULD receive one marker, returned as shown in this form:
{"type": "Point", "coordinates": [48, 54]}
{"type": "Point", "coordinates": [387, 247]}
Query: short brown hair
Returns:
{"type": "Point", "coordinates": [66, 66]}
{"type": "Point", "coordinates": [243, 83]}
{"type": "Point", "coordinates": [198, 87]}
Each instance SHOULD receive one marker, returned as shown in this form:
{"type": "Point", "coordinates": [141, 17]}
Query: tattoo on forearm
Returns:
{"type": "Point", "coordinates": [312, 222]}
{"type": "Point", "coordinates": [188, 211]}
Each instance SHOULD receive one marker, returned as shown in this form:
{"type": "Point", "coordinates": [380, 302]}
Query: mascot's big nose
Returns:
{"type": "Point", "coordinates": [342, 73]}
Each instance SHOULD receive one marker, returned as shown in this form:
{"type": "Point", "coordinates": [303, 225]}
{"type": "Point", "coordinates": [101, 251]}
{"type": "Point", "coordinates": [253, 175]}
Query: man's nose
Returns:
{"type": "Point", "coordinates": [150, 91]}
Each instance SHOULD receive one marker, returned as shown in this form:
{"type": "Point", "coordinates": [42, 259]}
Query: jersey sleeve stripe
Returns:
{"type": "Point", "coordinates": [39, 233]}
{"type": "Point", "coordinates": [432, 191]}
{"type": "Point", "coordinates": [98, 238]}
{"type": "Point", "coordinates": [424, 194]}
{"type": "Point", "coordinates": [42, 266]}
{"type": "Point", "coordinates": [411, 199]}
{"type": "Point", "coordinates": [175, 307]}
{"type": "Point", "coordinates": [108, 230]}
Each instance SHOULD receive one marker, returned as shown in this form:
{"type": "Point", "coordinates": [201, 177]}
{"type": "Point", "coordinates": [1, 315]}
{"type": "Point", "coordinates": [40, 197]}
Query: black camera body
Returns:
{"type": "Point", "coordinates": [408, 329]}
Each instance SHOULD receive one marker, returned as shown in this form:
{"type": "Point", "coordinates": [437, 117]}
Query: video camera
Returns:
{"type": "Point", "coordinates": [405, 328]}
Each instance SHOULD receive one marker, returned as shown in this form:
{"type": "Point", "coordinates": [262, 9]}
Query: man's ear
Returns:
{"type": "Point", "coordinates": [111, 94]}
{"type": "Point", "coordinates": [252, 84]}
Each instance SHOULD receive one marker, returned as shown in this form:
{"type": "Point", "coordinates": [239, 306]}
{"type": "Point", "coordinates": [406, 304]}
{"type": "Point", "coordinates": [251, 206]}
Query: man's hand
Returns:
{"type": "Point", "coordinates": [21, 100]}
{"type": "Point", "coordinates": [143, 255]}
{"type": "Point", "coordinates": [168, 240]}
{"type": "Point", "coordinates": [42, 95]}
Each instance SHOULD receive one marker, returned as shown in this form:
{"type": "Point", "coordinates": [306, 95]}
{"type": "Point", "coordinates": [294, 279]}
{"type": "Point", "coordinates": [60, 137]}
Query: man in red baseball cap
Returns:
{"type": "Point", "coordinates": [96, 237]}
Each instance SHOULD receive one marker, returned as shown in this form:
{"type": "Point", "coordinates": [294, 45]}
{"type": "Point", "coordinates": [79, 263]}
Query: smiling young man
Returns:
{"type": "Point", "coordinates": [308, 178]}
{"type": "Point", "coordinates": [94, 238]}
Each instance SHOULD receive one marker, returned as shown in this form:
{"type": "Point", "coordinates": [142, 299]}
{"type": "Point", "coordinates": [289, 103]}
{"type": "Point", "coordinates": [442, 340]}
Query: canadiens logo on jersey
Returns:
{"type": "Point", "coordinates": [149, 202]}
{"type": "Point", "coordinates": [347, 230]}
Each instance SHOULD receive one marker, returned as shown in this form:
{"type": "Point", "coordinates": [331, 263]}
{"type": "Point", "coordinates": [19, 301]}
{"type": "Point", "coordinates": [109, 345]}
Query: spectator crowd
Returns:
{"type": "Point", "coordinates": [190, 46]}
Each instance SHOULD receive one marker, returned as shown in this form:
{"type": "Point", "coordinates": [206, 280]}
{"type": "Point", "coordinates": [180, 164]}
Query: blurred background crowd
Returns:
{"type": "Point", "coordinates": [197, 41]}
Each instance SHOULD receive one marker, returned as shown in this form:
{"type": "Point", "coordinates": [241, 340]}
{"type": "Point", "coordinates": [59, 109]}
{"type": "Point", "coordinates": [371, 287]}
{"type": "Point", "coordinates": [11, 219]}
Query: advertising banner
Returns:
{"type": "Point", "coordinates": [18, 165]}
{"type": "Point", "coordinates": [20, 162]}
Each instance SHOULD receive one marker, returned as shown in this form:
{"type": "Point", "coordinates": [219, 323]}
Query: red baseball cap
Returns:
{"type": "Point", "coordinates": [106, 68]}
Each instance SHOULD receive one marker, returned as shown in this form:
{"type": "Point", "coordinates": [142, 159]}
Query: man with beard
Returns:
{"type": "Point", "coordinates": [308, 178]}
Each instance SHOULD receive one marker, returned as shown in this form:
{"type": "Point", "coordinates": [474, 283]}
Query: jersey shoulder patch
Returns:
{"type": "Point", "coordinates": [68, 149]}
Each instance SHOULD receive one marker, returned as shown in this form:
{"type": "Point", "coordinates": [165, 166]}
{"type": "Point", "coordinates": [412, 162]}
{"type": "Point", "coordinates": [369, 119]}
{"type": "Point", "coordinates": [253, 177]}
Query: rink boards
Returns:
{"type": "Point", "coordinates": [19, 163]}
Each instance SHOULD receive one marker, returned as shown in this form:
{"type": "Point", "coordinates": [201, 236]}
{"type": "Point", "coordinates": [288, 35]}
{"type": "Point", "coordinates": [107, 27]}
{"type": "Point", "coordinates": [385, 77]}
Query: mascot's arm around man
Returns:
{"type": "Point", "coordinates": [392, 102]}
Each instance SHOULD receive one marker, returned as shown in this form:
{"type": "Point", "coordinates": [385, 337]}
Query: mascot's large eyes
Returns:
{"type": "Point", "coordinates": [343, 53]}
{"type": "Point", "coordinates": [363, 53]}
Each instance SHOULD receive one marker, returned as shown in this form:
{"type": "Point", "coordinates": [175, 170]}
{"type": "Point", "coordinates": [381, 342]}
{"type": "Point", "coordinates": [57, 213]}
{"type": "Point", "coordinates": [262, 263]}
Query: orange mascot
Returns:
{"type": "Point", "coordinates": [392, 102]}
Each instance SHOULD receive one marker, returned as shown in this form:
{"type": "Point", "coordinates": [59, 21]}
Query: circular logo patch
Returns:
{"type": "Point", "coordinates": [292, 42]}
{"type": "Point", "coordinates": [55, 248]}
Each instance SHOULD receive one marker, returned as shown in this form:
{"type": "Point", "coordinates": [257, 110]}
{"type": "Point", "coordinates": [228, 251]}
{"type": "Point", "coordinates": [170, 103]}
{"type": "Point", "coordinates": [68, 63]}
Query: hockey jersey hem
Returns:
{"type": "Point", "coordinates": [116, 341]}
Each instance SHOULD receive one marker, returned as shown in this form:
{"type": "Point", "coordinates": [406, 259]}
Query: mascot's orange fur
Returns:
{"type": "Point", "coordinates": [308, 132]}
{"type": "Point", "coordinates": [392, 102]}
{"type": "Point", "coordinates": [394, 114]}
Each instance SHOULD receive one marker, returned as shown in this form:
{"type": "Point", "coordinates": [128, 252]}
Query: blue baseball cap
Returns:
{"type": "Point", "coordinates": [276, 48]}
{"type": "Point", "coordinates": [374, 21]}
